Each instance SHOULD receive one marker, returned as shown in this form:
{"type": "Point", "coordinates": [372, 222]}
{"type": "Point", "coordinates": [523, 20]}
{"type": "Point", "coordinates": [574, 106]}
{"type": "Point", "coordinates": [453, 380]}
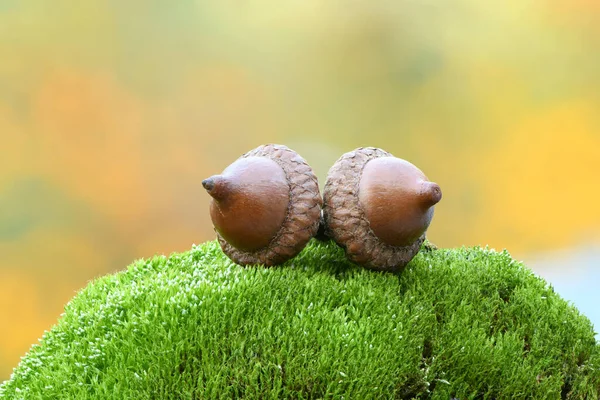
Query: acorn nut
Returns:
{"type": "Point", "coordinates": [378, 208]}
{"type": "Point", "coordinates": [265, 207]}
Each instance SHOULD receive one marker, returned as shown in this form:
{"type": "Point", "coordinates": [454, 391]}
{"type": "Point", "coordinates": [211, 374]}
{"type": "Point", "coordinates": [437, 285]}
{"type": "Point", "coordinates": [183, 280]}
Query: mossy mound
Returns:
{"type": "Point", "coordinates": [464, 323]}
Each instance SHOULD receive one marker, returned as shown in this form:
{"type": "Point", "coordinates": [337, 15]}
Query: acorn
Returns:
{"type": "Point", "coordinates": [378, 208]}
{"type": "Point", "coordinates": [266, 206]}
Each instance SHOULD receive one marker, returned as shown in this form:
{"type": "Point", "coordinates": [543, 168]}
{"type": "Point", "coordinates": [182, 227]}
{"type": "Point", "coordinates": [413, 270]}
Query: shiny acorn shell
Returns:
{"type": "Point", "coordinates": [378, 208]}
{"type": "Point", "coordinates": [266, 206]}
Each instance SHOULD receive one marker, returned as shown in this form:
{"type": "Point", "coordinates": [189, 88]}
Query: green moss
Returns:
{"type": "Point", "coordinates": [464, 323]}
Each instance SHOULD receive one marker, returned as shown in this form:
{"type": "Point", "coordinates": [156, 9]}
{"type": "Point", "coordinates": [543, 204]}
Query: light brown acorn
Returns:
{"type": "Point", "coordinates": [378, 208]}
{"type": "Point", "coordinates": [266, 206]}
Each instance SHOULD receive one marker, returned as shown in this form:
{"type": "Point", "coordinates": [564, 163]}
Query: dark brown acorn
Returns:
{"type": "Point", "coordinates": [378, 208]}
{"type": "Point", "coordinates": [265, 207]}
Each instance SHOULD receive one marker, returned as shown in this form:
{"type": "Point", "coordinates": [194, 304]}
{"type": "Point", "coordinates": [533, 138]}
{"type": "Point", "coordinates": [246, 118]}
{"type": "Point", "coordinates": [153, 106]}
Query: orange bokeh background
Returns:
{"type": "Point", "coordinates": [111, 114]}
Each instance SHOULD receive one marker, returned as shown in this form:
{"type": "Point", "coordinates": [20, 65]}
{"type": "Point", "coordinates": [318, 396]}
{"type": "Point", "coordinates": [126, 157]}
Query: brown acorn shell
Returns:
{"type": "Point", "coordinates": [303, 214]}
{"type": "Point", "coordinates": [345, 219]}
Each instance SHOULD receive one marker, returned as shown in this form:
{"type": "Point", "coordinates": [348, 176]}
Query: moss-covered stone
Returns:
{"type": "Point", "coordinates": [461, 323]}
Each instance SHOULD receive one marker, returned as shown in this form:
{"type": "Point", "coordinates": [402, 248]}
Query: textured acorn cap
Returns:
{"type": "Point", "coordinates": [286, 226]}
{"type": "Point", "coordinates": [380, 220]}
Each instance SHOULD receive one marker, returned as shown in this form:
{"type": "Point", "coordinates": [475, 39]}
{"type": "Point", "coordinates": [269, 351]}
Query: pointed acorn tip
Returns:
{"type": "Point", "coordinates": [432, 192]}
{"type": "Point", "coordinates": [208, 184]}
{"type": "Point", "coordinates": [216, 186]}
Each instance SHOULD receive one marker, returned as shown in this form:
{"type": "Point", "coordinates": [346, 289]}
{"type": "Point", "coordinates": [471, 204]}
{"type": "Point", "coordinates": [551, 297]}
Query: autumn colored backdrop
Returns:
{"type": "Point", "coordinates": [111, 114]}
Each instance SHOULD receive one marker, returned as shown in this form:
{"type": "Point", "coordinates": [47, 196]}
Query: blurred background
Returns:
{"type": "Point", "coordinates": [111, 114]}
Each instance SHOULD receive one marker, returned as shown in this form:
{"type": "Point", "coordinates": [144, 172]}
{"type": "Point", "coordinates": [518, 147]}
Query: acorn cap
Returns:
{"type": "Point", "coordinates": [265, 206]}
{"type": "Point", "coordinates": [378, 207]}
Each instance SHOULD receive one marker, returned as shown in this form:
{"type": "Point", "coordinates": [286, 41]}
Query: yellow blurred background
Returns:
{"type": "Point", "coordinates": [112, 112]}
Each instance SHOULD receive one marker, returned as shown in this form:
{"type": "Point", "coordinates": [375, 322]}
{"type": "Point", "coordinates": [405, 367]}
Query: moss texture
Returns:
{"type": "Point", "coordinates": [466, 323]}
